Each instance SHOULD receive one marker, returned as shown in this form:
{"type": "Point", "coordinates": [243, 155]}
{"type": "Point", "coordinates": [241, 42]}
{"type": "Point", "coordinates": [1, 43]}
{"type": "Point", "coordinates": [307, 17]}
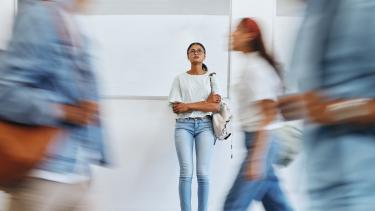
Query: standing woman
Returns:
{"type": "Point", "coordinates": [193, 102]}
{"type": "Point", "coordinates": [257, 92]}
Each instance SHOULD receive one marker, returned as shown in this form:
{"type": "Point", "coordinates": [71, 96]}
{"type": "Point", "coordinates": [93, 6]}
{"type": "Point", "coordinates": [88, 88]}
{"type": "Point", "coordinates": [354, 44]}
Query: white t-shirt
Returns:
{"type": "Point", "coordinates": [257, 80]}
{"type": "Point", "coordinates": [189, 88]}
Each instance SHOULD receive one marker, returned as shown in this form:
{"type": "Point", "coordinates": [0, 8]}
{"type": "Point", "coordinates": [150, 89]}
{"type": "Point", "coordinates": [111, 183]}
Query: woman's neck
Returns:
{"type": "Point", "coordinates": [196, 70]}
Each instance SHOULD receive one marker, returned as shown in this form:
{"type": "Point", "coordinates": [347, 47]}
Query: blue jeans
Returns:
{"type": "Point", "coordinates": [189, 131]}
{"type": "Point", "coordinates": [267, 190]}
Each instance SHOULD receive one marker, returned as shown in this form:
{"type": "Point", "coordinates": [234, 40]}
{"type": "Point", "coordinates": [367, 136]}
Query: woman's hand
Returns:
{"type": "Point", "coordinates": [214, 98]}
{"type": "Point", "coordinates": [321, 110]}
{"type": "Point", "coordinates": [180, 108]}
{"type": "Point", "coordinates": [325, 111]}
{"type": "Point", "coordinates": [292, 107]}
{"type": "Point", "coordinates": [317, 108]}
{"type": "Point", "coordinates": [84, 113]}
{"type": "Point", "coordinates": [268, 109]}
{"type": "Point", "coordinates": [310, 105]}
{"type": "Point", "coordinates": [255, 166]}
{"type": "Point", "coordinates": [254, 170]}
{"type": "Point", "coordinates": [92, 110]}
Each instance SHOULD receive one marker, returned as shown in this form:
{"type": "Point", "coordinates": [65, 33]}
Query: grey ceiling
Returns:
{"type": "Point", "coordinates": [160, 7]}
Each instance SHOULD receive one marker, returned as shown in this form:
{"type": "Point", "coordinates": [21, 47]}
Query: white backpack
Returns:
{"type": "Point", "coordinates": [221, 120]}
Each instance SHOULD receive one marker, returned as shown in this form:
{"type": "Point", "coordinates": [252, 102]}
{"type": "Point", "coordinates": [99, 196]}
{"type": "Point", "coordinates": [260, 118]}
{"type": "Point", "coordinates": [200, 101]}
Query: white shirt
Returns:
{"type": "Point", "coordinates": [189, 88]}
{"type": "Point", "coordinates": [257, 81]}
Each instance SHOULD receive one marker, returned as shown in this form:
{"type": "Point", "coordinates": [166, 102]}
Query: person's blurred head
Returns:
{"type": "Point", "coordinates": [248, 38]}
{"type": "Point", "coordinates": [74, 5]}
{"type": "Point", "coordinates": [82, 4]}
{"type": "Point", "coordinates": [196, 53]}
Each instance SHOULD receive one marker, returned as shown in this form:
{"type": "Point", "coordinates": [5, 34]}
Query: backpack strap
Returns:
{"type": "Point", "coordinates": [211, 75]}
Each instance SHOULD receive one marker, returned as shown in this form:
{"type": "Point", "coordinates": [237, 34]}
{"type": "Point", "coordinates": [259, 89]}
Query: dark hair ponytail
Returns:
{"type": "Point", "coordinates": [204, 66]}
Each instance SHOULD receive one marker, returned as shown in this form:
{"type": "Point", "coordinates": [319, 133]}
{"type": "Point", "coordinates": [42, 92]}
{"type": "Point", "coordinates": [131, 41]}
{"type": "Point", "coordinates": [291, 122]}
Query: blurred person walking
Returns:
{"type": "Point", "coordinates": [257, 92]}
{"type": "Point", "coordinates": [334, 60]}
{"type": "Point", "coordinates": [46, 79]}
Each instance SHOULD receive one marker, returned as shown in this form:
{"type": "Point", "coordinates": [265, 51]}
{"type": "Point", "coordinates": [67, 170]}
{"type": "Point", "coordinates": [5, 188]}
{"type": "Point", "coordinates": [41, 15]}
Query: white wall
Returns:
{"type": "Point", "coordinates": [6, 14]}
{"type": "Point", "coordinates": [6, 20]}
{"type": "Point", "coordinates": [140, 132]}
{"type": "Point", "coordinates": [129, 59]}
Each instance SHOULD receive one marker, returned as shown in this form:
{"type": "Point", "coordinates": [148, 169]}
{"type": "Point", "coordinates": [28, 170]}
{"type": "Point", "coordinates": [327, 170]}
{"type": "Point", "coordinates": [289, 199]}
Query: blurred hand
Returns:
{"type": "Point", "coordinates": [309, 105]}
{"type": "Point", "coordinates": [214, 98]}
{"type": "Point", "coordinates": [180, 108]}
{"type": "Point", "coordinates": [292, 107]}
{"type": "Point", "coordinates": [84, 113]}
{"type": "Point", "coordinates": [256, 156]}
{"type": "Point", "coordinates": [75, 115]}
{"type": "Point", "coordinates": [254, 170]}
{"type": "Point", "coordinates": [268, 109]}
{"type": "Point", "coordinates": [91, 108]}
{"type": "Point", "coordinates": [316, 108]}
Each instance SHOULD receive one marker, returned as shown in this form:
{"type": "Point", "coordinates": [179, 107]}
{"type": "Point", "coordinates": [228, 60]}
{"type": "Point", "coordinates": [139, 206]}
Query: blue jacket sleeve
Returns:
{"type": "Point", "coordinates": [24, 68]}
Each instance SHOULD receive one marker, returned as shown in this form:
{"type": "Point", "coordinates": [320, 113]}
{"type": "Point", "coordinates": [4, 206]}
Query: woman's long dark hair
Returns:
{"type": "Point", "coordinates": [204, 66]}
{"type": "Point", "coordinates": [257, 43]}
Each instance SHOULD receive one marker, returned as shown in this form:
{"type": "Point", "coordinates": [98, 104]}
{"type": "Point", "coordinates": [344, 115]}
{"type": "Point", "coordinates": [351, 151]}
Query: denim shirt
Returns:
{"type": "Point", "coordinates": [340, 62]}
{"type": "Point", "coordinates": [39, 71]}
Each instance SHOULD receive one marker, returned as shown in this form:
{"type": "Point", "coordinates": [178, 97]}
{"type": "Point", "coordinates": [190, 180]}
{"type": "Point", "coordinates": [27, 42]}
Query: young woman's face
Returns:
{"type": "Point", "coordinates": [196, 54]}
{"type": "Point", "coordinates": [241, 39]}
